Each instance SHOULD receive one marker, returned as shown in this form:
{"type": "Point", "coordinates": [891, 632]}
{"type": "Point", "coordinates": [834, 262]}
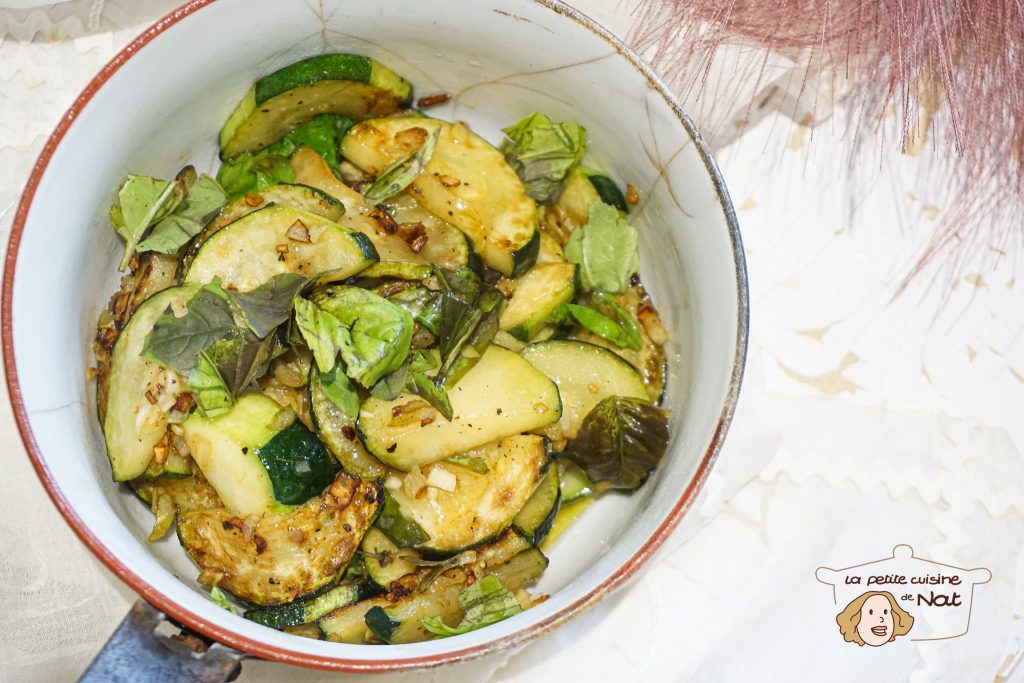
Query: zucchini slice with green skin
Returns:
{"type": "Point", "coordinates": [338, 432]}
{"type": "Point", "coordinates": [399, 271]}
{"type": "Point", "coordinates": [537, 294]}
{"type": "Point", "coordinates": [510, 558]}
{"type": "Point", "coordinates": [583, 189]}
{"type": "Point", "coordinates": [280, 239]}
{"type": "Point", "coordinates": [577, 196]}
{"type": "Point", "coordinates": [500, 396]}
{"type": "Point", "coordinates": [445, 244]}
{"type": "Point", "coordinates": [650, 359]}
{"type": "Point", "coordinates": [187, 494]}
{"type": "Point", "coordinates": [382, 561]}
{"type": "Point", "coordinates": [253, 464]}
{"type": "Point", "coordinates": [277, 557]}
{"type": "Point", "coordinates": [133, 424]}
{"type": "Point", "coordinates": [442, 600]}
{"type": "Point", "coordinates": [535, 519]}
{"type": "Point", "coordinates": [299, 196]}
{"type": "Point", "coordinates": [467, 182]}
{"type": "Point", "coordinates": [585, 374]}
{"type": "Point", "coordinates": [350, 85]}
{"type": "Point", "coordinates": [480, 505]}
{"type": "Point", "coordinates": [174, 467]}
{"type": "Point", "coordinates": [609, 191]}
{"type": "Point", "coordinates": [550, 251]}
{"type": "Point", "coordinates": [573, 482]}
{"type": "Point", "coordinates": [308, 611]}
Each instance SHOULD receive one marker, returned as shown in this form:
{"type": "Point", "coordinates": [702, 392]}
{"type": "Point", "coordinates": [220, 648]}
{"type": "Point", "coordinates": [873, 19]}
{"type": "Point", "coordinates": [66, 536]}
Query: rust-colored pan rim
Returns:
{"type": "Point", "coordinates": [271, 652]}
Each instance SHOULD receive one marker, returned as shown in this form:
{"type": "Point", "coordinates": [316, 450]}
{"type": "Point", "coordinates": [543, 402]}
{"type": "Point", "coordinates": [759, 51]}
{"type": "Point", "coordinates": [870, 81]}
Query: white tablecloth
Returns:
{"type": "Point", "coordinates": [865, 422]}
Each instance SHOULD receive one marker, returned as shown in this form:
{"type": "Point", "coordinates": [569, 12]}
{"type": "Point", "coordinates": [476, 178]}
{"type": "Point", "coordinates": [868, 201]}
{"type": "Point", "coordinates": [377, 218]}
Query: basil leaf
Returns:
{"type": "Point", "coordinates": [414, 300]}
{"type": "Point", "coordinates": [630, 331]}
{"type": "Point", "coordinates": [141, 201]}
{"type": "Point", "coordinates": [226, 368]}
{"type": "Point", "coordinates": [176, 343]}
{"type": "Point", "coordinates": [379, 333]}
{"type": "Point", "coordinates": [339, 389]}
{"type": "Point", "coordinates": [621, 329]}
{"type": "Point", "coordinates": [390, 386]}
{"type": "Point", "coordinates": [203, 199]}
{"type": "Point", "coordinates": [403, 532]}
{"type": "Point", "coordinates": [323, 333]}
{"type": "Point", "coordinates": [434, 393]}
{"type": "Point", "coordinates": [322, 134]}
{"type": "Point", "coordinates": [543, 153]}
{"type": "Point", "coordinates": [466, 311]}
{"type": "Point", "coordinates": [455, 324]}
{"type": "Point", "coordinates": [400, 174]}
{"type": "Point", "coordinates": [469, 462]}
{"type": "Point", "coordinates": [620, 442]}
{"type": "Point", "coordinates": [270, 304]}
{"type": "Point", "coordinates": [208, 389]}
{"type": "Point", "coordinates": [605, 249]}
{"type": "Point", "coordinates": [486, 602]}
{"type": "Point", "coordinates": [248, 173]}
{"type": "Point", "coordinates": [251, 172]}
{"type": "Point", "coordinates": [240, 359]}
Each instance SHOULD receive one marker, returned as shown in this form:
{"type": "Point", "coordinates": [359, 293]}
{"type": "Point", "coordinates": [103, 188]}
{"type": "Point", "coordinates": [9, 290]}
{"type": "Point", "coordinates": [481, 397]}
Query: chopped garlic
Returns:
{"type": "Point", "coordinates": [441, 478]}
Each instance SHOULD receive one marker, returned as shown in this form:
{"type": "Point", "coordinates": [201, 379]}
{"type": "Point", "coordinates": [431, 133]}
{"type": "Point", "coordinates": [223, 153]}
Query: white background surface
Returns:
{"type": "Point", "coordinates": [865, 422]}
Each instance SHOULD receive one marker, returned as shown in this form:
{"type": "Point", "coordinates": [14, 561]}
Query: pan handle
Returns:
{"type": "Point", "coordinates": [137, 652]}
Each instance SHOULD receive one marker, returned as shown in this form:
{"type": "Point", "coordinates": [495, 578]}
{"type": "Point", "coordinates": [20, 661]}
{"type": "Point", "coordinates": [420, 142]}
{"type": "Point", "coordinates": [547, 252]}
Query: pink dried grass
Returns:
{"type": "Point", "coordinates": [952, 70]}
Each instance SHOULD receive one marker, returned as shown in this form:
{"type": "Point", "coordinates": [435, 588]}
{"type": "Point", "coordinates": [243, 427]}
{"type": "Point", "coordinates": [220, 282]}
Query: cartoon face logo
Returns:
{"type": "Point", "coordinates": [874, 619]}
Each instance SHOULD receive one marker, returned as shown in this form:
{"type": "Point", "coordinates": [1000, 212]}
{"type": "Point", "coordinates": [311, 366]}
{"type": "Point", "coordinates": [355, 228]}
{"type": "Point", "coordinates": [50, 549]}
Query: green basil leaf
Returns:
{"type": "Point", "coordinates": [620, 442]}
{"type": "Point", "coordinates": [597, 323]}
{"type": "Point", "coordinates": [391, 385]}
{"type": "Point", "coordinates": [434, 393]}
{"type": "Point", "coordinates": [252, 172]}
{"type": "Point", "coordinates": [469, 462]}
{"type": "Point", "coordinates": [270, 304]}
{"type": "Point", "coordinates": [414, 300]}
{"type": "Point", "coordinates": [400, 174]}
{"type": "Point", "coordinates": [208, 389]}
{"type": "Point", "coordinates": [605, 249]}
{"type": "Point", "coordinates": [486, 602]}
{"type": "Point", "coordinates": [142, 201]}
{"type": "Point", "coordinates": [455, 324]}
{"type": "Point", "coordinates": [607, 304]}
{"type": "Point", "coordinates": [543, 153]}
{"type": "Point", "coordinates": [322, 134]}
{"type": "Point", "coordinates": [466, 311]}
{"type": "Point", "coordinates": [621, 329]}
{"type": "Point", "coordinates": [403, 532]}
{"type": "Point", "coordinates": [240, 359]}
{"type": "Point", "coordinates": [248, 173]}
{"type": "Point", "coordinates": [379, 333]}
{"type": "Point", "coordinates": [176, 343]}
{"type": "Point", "coordinates": [203, 199]}
{"type": "Point", "coordinates": [339, 389]}
{"type": "Point", "coordinates": [323, 333]}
